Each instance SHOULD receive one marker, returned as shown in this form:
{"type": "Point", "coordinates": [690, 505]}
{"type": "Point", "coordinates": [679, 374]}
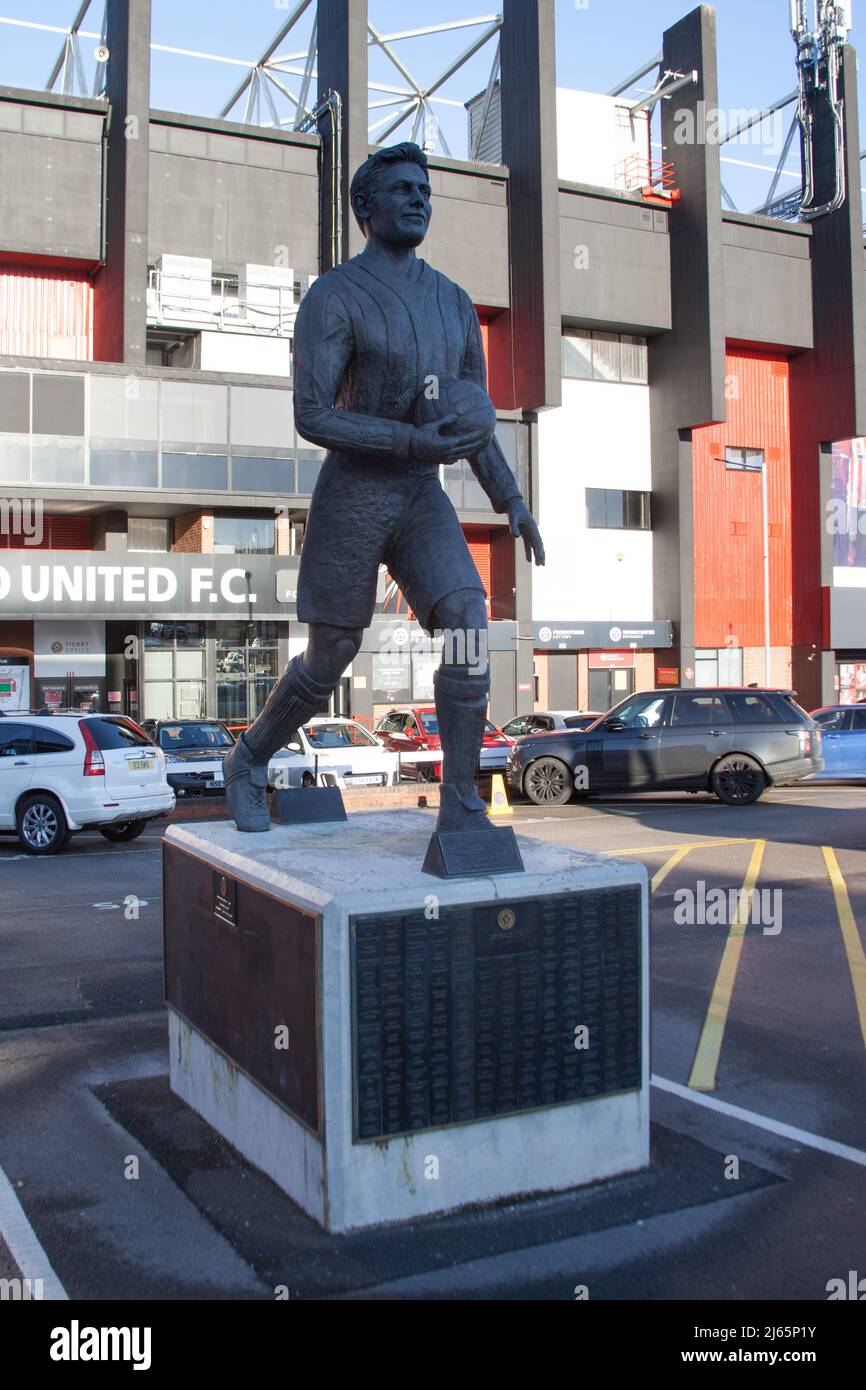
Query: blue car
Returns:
{"type": "Point", "coordinates": [843, 740]}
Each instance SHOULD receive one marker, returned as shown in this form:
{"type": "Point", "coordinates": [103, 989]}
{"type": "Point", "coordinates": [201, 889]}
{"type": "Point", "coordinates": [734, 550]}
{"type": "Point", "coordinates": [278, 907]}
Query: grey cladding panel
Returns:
{"type": "Point", "coordinates": [50, 194]}
{"type": "Point", "coordinates": [235, 214]}
{"type": "Point", "coordinates": [468, 241]}
{"type": "Point", "coordinates": [768, 298]}
{"type": "Point", "coordinates": [615, 273]}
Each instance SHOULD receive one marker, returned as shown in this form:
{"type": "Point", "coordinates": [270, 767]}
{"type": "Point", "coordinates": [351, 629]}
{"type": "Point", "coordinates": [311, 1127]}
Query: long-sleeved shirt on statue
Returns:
{"type": "Point", "coordinates": [366, 345]}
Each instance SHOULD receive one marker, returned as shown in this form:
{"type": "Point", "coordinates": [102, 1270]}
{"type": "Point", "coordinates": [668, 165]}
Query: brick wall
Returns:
{"type": "Point", "coordinates": [193, 533]}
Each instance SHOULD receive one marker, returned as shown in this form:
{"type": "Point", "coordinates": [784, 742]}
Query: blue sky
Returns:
{"type": "Point", "coordinates": [598, 42]}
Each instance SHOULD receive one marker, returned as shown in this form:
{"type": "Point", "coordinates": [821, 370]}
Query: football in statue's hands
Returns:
{"type": "Point", "coordinates": [444, 396]}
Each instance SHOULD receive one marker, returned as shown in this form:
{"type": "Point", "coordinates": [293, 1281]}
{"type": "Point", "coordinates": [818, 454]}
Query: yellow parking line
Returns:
{"type": "Point", "coordinates": [663, 849]}
{"type": "Point", "coordinates": [669, 864]}
{"type": "Point", "coordinates": [850, 934]}
{"type": "Point", "coordinates": [703, 1077]}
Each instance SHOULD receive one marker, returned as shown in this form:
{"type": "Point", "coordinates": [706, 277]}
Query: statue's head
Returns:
{"type": "Point", "coordinates": [390, 196]}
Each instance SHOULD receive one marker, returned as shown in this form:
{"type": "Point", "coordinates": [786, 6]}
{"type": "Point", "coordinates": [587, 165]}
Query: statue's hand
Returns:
{"type": "Point", "coordinates": [523, 524]}
{"type": "Point", "coordinates": [431, 445]}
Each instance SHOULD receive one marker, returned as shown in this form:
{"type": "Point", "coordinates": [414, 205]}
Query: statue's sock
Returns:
{"type": "Point", "coordinates": [461, 709]}
{"type": "Point", "coordinates": [293, 701]}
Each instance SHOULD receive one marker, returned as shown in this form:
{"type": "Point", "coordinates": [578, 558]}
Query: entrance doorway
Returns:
{"type": "Point", "coordinates": [607, 687]}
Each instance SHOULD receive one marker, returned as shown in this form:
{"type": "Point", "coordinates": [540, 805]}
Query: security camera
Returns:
{"type": "Point", "coordinates": [101, 53]}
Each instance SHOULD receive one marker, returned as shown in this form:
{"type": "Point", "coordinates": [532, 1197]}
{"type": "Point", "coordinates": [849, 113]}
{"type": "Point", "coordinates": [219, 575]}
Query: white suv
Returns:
{"type": "Point", "coordinates": [60, 773]}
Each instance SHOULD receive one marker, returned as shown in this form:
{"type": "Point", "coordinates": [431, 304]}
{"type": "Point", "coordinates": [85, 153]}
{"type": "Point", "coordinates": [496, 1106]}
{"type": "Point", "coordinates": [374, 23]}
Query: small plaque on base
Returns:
{"type": "Point", "coordinates": [473, 853]}
{"type": "Point", "coordinates": [308, 805]}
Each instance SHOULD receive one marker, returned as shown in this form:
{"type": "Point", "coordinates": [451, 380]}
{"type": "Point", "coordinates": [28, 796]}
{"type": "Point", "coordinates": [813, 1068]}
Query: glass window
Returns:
{"type": "Point", "coordinates": [189, 663]}
{"type": "Point", "coordinates": [51, 741]}
{"type": "Point", "coordinates": [147, 534]}
{"type": "Point", "coordinates": [308, 474]}
{"type": "Point", "coordinates": [699, 711]}
{"type": "Point", "coordinates": [195, 472]}
{"type": "Point", "coordinates": [124, 408]}
{"type": "Point", "coordinates": [116, 733]}
{"type": "Point", "coordinates": [119, 467]}
{"type": "Point", "coordinates": [257, 475]}
{"type": "Point", "coordinates": [262, 418]}
{"type": "Point", "coordinates": [429, 722]}
{"type": "Point", "coordinates": [635, 360]}
{"type": "Point", "coordinates": [858, 720]}
{"type": "Point", "coordinates": [58, 404]}
{"type": "Point", "coordinates": [643, 712]}
{"type": "Point", "coordinates": [605, 357]}
{"type": "Point", "coordinates": [751, 709]}
{"type": "Point", "coordinates": [57, 461]}
{"type": "Point", "coordinates": [193, 413]}
{"type": "Point", "coordinates": [14, 402]}
{"type": "Point", "coordinates": [174, 657]}
{"type": "Point", "coordinates": [515, 727]}
{"type": "Point", "coordinates": [837, 719]}
{"type": "Point", "coordinates": [611, 509]}
{"type": "Point", "coordinates": [730, 666]}
{"type": "Point", "coordinates": [15, 740]}
{"type": "Point", "coordinates": [577, 356]}
{"type": "Point", "coordinates": [475, 499]}
{"type": "Point", "coordinates": [244, 535]}
{"type": "Point", "coordinates": [14, 457]}
{"type": "Point", "coordinates": [247, 660]}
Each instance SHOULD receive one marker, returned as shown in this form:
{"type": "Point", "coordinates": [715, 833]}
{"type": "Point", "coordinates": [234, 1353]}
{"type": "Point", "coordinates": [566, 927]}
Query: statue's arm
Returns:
{"type": "Point", "coordinates": [490, 466]}
{"type": "Point", "coordinates": [324, 344]}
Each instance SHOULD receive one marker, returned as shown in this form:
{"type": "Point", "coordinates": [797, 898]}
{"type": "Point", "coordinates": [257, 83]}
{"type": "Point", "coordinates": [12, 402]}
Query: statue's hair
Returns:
{"type": "Point", "coordinates": [368, 177]}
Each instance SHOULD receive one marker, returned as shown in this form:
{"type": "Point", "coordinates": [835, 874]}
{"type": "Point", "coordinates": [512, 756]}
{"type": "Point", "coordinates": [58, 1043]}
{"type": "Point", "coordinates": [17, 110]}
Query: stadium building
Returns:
{"type": "Point", "coordinates": [679, 386]}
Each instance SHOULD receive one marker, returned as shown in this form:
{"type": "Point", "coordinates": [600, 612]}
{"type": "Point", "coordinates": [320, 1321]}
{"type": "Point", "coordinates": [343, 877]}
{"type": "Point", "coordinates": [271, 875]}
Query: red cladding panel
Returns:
{"type": "Point", "coordinates": [728, 524]}
{"type": "Point", "coordinates": [45, 312]}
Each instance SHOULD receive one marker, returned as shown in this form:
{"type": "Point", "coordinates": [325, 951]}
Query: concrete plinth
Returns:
{"type": "Point", "coordinates": [386, 1045]}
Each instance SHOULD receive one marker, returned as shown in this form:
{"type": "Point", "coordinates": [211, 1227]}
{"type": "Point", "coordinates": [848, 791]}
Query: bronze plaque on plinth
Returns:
{"type": "Point", "coordinates": [493, 1010]}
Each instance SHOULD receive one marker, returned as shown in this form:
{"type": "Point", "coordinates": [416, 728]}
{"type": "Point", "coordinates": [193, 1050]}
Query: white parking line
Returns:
{"type": "Point", "coordinates": [750, 1117]}
{"type": "Point", "coordinates": [24, 1245]}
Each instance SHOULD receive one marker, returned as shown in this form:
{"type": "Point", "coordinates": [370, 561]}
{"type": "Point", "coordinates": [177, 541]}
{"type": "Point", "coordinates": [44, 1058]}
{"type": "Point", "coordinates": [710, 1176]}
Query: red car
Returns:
{"type": "Point", "coordinates": [415, 729]}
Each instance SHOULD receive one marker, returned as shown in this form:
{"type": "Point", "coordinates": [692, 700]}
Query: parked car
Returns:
{"type": "Point", "coordinates": [415, 729]}
{"type": "Point", "coordinates": [194, 750]}
{"type": "Point", "coordinates": [330, 752]}
{"type": "Point", "coordinates": [546, 721]}
{"type": "Point", "coordinates": [732, 742]}
{"type": "Point", "coordinates": [60, 774]}
{"type": "Point", "coordinates": [843, 742]}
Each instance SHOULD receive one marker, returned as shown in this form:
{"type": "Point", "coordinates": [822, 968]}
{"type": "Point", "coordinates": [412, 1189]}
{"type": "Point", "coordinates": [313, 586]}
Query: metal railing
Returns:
{"type": "Point", "coordinates": [215, 302]}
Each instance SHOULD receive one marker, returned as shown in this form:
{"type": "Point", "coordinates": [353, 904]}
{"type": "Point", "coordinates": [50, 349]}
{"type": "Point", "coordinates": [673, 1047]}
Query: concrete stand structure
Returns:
{"type": "Point", "coordinates": [385, 1045]}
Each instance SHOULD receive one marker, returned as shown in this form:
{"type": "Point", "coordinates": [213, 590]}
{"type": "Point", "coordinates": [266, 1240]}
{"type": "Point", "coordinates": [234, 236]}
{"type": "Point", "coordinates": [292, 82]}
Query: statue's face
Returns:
{"type": "Point", "coordinates": [399, 211]}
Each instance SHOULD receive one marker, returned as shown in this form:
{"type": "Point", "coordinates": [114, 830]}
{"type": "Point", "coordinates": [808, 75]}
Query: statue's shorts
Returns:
{"type": "Point", "coordinates": [367, 512]}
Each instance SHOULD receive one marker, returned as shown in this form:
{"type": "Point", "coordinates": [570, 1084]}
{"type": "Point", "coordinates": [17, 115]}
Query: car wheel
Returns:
{"type": "Point", "coordinates": [426, 772]}
{"type": "Point", "coordinates": [123, 833]}
{"type": "Point", "coordinates": [41, 824]}
{"type": "Point", "coordinates": [308, 780]}
{"type": "Point", "coordinates": [738, 780]}
{"type": "Point", "coordinates": [548, 782]}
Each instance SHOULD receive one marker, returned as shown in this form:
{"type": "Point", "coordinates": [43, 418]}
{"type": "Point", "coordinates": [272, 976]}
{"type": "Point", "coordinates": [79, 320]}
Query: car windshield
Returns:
{"type": "Point", "coordinates": [181, 738]}
{"type": "Point", "coordinates": [338, 736]}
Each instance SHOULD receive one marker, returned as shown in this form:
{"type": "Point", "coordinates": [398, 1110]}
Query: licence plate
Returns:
{"type": "Point", "coordinates": [140, 764]}
{"type": "Point", "coordinates": [367, 781]}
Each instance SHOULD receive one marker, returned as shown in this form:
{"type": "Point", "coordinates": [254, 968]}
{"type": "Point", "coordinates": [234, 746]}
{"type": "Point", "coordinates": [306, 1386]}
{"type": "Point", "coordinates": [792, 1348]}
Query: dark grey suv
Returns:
{"type": "Point", "coordinates": [733, 742]}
